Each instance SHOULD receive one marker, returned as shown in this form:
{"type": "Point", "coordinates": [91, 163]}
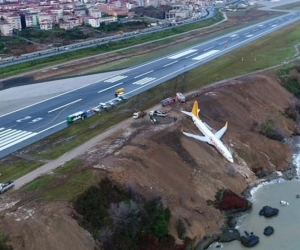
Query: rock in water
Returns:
{"type": "Point", "coordinates": [268, 230]}
{"type": "Point", "coordinates": [229, 235]}
{"type": "Point", "coordinates": [249, 241]}
{"type": "Point", "coordinates": [204, 244]}
{"type": "Point", "coordinates": [268, 211]}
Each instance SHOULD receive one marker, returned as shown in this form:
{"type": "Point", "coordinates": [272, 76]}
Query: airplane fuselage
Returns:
{"type": "Point", "coordinates": [212, 139]}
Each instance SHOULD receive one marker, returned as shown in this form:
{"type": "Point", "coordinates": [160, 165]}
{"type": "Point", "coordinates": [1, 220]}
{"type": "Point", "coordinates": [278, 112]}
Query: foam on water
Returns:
{"type": "Point", "coordinates": [263, 184]}
{"type": "Point", "coordinates": [286, 224]}
{"type": "Point", "coordinates": [296, 161]}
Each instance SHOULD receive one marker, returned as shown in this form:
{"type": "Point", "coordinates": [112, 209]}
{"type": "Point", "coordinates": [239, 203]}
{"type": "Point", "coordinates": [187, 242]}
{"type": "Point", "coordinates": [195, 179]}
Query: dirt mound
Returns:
{"type": "Point", "coordinates": [44, 226]}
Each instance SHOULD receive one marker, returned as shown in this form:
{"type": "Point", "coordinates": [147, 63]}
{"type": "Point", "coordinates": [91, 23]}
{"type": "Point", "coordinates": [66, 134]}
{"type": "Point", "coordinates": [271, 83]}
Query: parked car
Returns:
{"type": "Point", "coordinates": [168, 101]}
{"type": "Point", "coordinates": [180, 97]}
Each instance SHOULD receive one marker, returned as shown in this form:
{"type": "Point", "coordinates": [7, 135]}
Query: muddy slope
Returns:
{"type": "Point", "coordinates": [158, 160]}
{"type": "Point", "coordinates": [186, 172]}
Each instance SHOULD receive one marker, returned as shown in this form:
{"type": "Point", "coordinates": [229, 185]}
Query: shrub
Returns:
{"type": "Point", "coordinates": [3, 244]}
{"type": "Point", "coordinates": [267, 129]}
{"type": "Point", "coordinates": [180, 229]}
{"type": "Point", "coordinates": [119, 219]}
{"type": "Point", "coordinates": [158, 219]}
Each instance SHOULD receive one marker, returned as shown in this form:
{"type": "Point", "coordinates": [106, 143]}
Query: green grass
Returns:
{"type": "Point", "coordinates": [53, 60]}
{"type": "Point", "coordinates": [132, 61]}
{"type": "Point", "coordinates": [65, 183]}
{"type": "Point", "coordinates": [78, 133]}
{"type": "Point", "coordinates": [268, 51]}
{"type": "Point", "coordinates": [12, 168]}
{"type": "Point", "coordinates": [108, 47]}
{"type": "Point", "coordinates": [291, 6]}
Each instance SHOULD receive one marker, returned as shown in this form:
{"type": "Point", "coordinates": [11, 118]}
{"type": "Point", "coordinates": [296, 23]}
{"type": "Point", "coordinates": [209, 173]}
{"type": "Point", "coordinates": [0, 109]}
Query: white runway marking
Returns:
{"type": "Point", "coordinates": [23, 119]}
{"type": "Point", "coordinates": [144, 80]}
{"type": "Point", "coordinates": [234, 35]}
{"type": "Point", "coordinates": [249, 35]}
{"type": "Point", "coordinates": [207, 54]}
{"type": "Point", "coordinates": [184, 53]}
{"type": "Point", "coordinates": [170, 64]}
{"type": "Point", "coordinates": [51, 127]}
{"type": "Point", "coordinates": [208, 48]}
{"type": "Point", "coordinates": [115, 79]}
{"type": "Point", "coordinates": [50, 111]}
{"type": "Point", "coordinates": [110, 87]}
{"type": "Point", "coordinates": [10, 137]}
{"type": "Point", "coordinates": [223, 42]}
{"type": "Point", "coordinates": [144, 74]}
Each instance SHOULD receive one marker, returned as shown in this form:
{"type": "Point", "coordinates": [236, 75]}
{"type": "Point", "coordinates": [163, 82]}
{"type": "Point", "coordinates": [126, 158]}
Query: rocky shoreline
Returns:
{"type": "Point", "coordinates": [229, 231]}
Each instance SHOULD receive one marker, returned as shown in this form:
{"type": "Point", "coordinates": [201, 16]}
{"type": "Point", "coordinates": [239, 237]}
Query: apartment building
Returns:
{"type": "Point", "coordinates": [178, 12]}
{"type": "Point", "coordinates": [74, 22]}
{"type": "Point", "coordinates": [5, 28]}
{"type": "Point", "coordinates": [93, 21]}
{"type": "Point", "coordinates": [31, 20]}
{"type": "Point", "coordinates": [46, 24]}
{"type": "Point", "coordinates": [95, 12]}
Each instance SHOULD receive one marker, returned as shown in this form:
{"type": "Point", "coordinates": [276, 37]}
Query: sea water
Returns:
{"type": "Point", "coordinates": [286, 224]}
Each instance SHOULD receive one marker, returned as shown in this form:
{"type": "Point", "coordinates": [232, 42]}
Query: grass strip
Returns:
{"type": "Point", "coordinates": [255, 56]}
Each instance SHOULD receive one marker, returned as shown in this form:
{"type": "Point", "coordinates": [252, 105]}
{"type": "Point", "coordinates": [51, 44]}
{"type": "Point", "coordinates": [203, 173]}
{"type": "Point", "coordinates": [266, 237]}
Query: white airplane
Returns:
{"type": "Point", "coordinates": [208, 136]}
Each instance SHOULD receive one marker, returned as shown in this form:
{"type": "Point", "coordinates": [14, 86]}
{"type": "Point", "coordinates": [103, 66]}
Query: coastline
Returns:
{"type": "Point", "coordinates": [289, 174]}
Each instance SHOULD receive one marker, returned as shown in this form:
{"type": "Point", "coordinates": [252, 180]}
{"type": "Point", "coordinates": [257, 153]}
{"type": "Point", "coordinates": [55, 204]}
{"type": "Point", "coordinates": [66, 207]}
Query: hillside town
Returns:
{"type": "Point", "coordinates": [67, 14]}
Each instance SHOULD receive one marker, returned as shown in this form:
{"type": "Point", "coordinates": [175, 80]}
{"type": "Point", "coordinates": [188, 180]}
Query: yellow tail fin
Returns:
{"type": "Point", "coordinates": [195, 110]}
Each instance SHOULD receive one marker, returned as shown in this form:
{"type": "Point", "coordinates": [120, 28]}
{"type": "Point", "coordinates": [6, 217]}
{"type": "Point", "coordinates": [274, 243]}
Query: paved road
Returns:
{"type": "Point", "coordinates": [30, 124]}
{"type": "Point", "coordinates": [206, 14]}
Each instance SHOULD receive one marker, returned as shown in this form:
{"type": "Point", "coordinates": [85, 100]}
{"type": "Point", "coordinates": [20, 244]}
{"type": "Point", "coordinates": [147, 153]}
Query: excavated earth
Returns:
{"type": "Point", "coordinates": [160, 161]}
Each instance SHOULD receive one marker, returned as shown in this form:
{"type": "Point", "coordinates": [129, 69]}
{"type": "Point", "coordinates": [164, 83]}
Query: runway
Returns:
{"type": "Point", "coordinates": [47, 114]}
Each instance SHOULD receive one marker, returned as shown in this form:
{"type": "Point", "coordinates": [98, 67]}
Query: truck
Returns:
{"type": "Point", "coordinates": [103, 105]}
{"type": "Point", "coordinates": [119, 92]}
{"type": "Point", "coordinates": [168, 101]}
{"type": "Point", "coordinates": [81, 115]}
{"type": "Point", "coordinates": [180, 97]}
{"type": "Point", "coordinates": [157, 113]}
{"type": "Point", "coordinates": [138, 114]}
{"type": "Point", "coordinates": [6, 186]}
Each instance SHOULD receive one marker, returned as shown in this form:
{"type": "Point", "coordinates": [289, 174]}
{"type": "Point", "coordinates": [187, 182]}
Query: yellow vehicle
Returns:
{"type": "Point", "coordinates": [119, 91]}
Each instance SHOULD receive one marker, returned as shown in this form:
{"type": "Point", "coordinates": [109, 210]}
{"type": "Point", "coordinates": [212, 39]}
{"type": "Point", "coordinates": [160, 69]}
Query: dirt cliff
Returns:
{"type": "Point", "coordinates": [158, 160]}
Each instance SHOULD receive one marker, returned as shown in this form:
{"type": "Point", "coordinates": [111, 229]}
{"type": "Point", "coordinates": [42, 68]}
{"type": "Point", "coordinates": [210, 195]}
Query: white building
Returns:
{"type": "Point", "coordinates": [31, 20]}
{"type": "Point", "coordinates": [15, 21]}
{"type": "Point", "coordinates": [46, 24]}
{"type": "Point", "coordinates": [94, 22]}
{"type": "Point", "coordinates": [94, 12]}
{"type": "Point", "coordinates": [6, 28]}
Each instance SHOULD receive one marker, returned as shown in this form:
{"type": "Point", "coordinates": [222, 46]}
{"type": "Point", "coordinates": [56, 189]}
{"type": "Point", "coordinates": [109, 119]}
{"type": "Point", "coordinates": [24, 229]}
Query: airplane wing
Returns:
{"type": "Point", "coordinates": [197, 137]}
{"type": "Point", "coordinates": [187, 113]}
{"type": "Point", "coordinates": [221, 132]}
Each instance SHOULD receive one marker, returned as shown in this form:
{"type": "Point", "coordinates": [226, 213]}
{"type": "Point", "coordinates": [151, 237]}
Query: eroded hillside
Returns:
{"type": "Point", "coordinates": [186, 172]}
{"type": "Point", "coordinates": [158, 160]}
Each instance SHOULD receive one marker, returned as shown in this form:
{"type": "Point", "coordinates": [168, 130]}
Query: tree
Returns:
{"type": "Point", "coordinates": [158, 219]}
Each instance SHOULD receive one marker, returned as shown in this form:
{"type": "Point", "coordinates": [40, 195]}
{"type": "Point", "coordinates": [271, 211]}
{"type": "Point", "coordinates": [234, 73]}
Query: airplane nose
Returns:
{"type": "Point", "coordinates": [230, 159]}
